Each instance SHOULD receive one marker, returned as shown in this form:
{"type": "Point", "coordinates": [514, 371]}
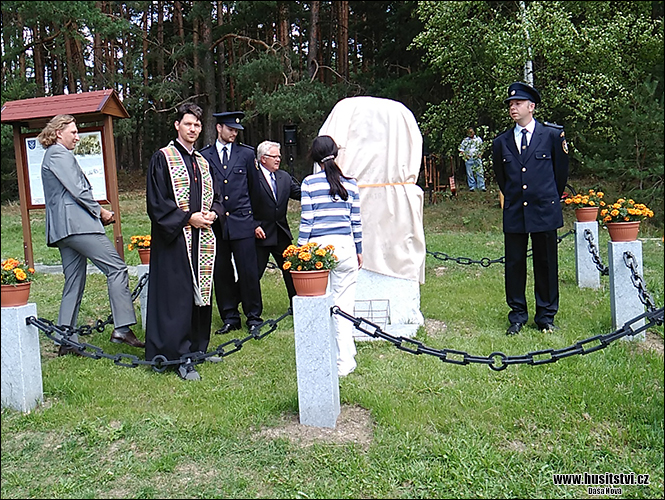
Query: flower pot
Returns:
{"type": "Point", "coordinates": [15, 295]}
{"type": "Point", "coordinates": [310, 283]}
{"type": "Point", "coordinates": [586, 214]}
{"type": "Point", "coordinates": [144, 253]}
{"type": "Point", "coordinates": [623, 231]}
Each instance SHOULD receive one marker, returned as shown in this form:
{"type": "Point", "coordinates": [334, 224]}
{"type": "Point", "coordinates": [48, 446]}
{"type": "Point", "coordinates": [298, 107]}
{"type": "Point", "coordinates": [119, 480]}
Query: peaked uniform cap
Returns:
{"type": "Point", "coordinates": [230, 118]}
{"type": "Point", "coordinates": [522, 91]}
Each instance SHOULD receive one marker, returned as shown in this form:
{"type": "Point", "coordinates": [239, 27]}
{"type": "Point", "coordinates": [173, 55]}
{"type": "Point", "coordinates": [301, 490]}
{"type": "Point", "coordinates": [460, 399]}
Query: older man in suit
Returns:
{"type": "Point", "coordinates": [531, 167]}
{"type": "Point", "coordinates": [233, 164]}
{"type": "Point", "coordinates": [270, 196]}
{"type": "Point", "coordinates": [75, 224]}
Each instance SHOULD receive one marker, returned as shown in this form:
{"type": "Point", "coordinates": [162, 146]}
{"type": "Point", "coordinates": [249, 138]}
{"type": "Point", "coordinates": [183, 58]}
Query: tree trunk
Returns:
{"type": "Point", "coordinates": [57, 76]}
{"type": "Point", "coordinates": [314, 36]}
{"type": "Point", "coordinates": [39, 62]}
{"type": "Point", "coordinates": [283, 25]}
{"type": "Point", "coordinates": [195, 60]}
{"type": "Point", "coordinates": [160, 40]}
{"type": "Point", "coordinates": [71, 79]}
{"type": "Point", "coordinates": [221, 65]}
{"type": "Point", "coordinates": [144, 50]}
{"type": "Point", "coordinates": [209, 131]}
{"type": "Point", "coordinates": [343, 38]}
{"type": "Point", "coordinates": [180, 29]}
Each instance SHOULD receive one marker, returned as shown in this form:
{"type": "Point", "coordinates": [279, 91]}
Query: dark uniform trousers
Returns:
{"type": "Point", "coordinates": [228, 291]}
{"type": "Point", "coordinates": [545, 272]}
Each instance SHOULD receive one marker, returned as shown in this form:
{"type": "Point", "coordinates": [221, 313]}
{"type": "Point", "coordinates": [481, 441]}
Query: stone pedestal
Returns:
{"type": "Point", "coordinates": [316, 361]}
{"type": "Point", "coordinates": [21, 360]}
{"type": "Point", "coordinates": [624, 298]}
{"type": "Point", "coordinates": [404, 303]}
{"type": "Point", "coordinates": [143, 296]}
{"type": "Point", "coordinates": [588, 275]}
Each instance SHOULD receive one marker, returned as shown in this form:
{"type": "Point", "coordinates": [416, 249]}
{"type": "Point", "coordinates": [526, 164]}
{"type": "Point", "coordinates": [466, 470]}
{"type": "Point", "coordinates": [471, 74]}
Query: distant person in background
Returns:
{"type": "Point", "coordinates": [270, 195]}
{"type": "Point", "coordinates": [531, 166]}
{"type": "Point", "coordinates": [182, 202]}
{"type": "Point", "coordinates": [330, 205]}
{"type": "Point", "coordinates": [75, 224]}
{"type": "Point", "coordinates": [471, 152]}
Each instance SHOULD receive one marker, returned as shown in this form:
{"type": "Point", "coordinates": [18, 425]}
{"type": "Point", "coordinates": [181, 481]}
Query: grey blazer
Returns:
{"type": "Point", "coordinates": [70, 206]}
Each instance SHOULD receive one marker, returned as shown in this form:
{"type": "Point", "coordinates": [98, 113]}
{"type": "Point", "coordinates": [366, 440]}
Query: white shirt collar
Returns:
{"type": "Point", "coordinates": [220, 145]}
{"type": "Point", "coordinates": [529, 128]}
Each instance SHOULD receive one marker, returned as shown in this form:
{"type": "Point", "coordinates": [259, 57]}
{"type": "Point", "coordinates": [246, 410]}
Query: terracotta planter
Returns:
{"type": "Point", "coordinates": [310, 283]}
{"type": "Point", "coordinates": [586, 214]}
{"type": "Point", "coordinates": [144, 253]}
{"type": "Point", "coordinates": [623, 231]}
{"type": "Point", "coordinates": [15, 295]}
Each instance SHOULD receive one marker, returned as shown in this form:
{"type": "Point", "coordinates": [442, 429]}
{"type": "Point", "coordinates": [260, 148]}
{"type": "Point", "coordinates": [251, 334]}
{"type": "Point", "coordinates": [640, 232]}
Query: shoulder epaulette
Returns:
{"type": "Point", "coordinates": [205, 147]}
{"type": "Point", "coordinates": [553, 125]}
{"type": "Point", "coordinates": [245, 145]}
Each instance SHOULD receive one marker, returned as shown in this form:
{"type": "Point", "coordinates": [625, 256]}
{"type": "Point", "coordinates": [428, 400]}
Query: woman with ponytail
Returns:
{"type": "Point", "coordinates": [330, 215]}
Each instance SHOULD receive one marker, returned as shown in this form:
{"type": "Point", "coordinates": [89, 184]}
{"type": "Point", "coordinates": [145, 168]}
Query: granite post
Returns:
{"type": "Point", "coordinates": [625, 300]}
{"type": "Point", "coordinates": [588, 275]}
{"type": "Point", "coordinates": [21, 360]}
{"type": "Point", "coordinates": [316, 361]}
{"type": "Point", "coordinates": [142, 269]}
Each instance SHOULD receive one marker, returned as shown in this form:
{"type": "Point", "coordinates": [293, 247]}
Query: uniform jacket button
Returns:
{"type": "Point", "coordinates": [525, 203]}
{"type": "Point", "coordinates": [524, 187]}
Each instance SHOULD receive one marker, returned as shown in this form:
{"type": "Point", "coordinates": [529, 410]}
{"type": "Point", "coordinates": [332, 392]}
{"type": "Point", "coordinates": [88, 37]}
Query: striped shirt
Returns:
{"type": "Point", "coordinates": [322, 215]}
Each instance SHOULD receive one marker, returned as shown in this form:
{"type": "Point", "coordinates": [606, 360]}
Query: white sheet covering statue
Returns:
{"type": "Point", "coordinates": [380, 145]}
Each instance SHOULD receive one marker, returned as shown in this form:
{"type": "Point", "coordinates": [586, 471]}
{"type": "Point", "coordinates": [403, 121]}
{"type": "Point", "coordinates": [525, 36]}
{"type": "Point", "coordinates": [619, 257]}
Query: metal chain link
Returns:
{"type": "Point", "coordinates": [62, 335]}
{"type": "Point", "coordinates": [486, 261]}
{"type": "Point", "coordinates": [638, 282]}
{"type": "Point", "coordinates": [593, 249]}
{"type": "Point", "coordinates": [497, 360]}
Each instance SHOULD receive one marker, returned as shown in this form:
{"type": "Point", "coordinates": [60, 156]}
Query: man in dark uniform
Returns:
{"type": "Point", "coordinates": [531, 167]}
{"type": "Point", "coordinates": [233, 164]}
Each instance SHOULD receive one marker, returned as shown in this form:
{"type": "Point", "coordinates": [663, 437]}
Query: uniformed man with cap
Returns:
{"type": "Point", "coordinates": [232, 164]}
{"type": "Point", "coordinates": [531, 167]}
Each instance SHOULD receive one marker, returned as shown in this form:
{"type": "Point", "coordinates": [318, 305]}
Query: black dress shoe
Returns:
{"type": "Point", "coordinates": [254, 329]}
{"type": "Point", "coordinates": [64, 350]}
{"type": "Point", "coordinates": [514, 328]}
{"type": "Point", "coordinates": [227, 328]}
{"type": "Point", "coordinates": [127, 337]}
{"type": "Point", "coordinates": [547, 327]}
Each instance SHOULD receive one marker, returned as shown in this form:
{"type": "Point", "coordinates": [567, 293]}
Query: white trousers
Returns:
{"type": "Point", "coordinates": [342, 286]}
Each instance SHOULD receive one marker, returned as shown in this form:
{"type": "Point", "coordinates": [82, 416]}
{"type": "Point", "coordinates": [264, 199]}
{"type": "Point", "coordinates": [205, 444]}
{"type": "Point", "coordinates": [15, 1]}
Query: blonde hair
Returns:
{"type": "Point", "coordinates": [48, 136]}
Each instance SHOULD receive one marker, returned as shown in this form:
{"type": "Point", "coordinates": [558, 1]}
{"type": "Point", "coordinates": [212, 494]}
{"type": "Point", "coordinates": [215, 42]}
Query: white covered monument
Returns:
{"type": "Point", "coordinates": [380, 145]}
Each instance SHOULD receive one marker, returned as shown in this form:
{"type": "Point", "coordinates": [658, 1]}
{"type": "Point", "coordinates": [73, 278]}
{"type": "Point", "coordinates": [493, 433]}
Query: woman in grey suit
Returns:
{"type": "Point", "coordinates": [75, 224]}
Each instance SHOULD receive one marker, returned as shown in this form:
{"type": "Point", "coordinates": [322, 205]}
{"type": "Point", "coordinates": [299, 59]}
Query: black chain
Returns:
{"type": "Point", "coordinates": [159, 363]}
{"type": "Point", "coordinates": [143, 281]}
{"type": "Point", "coordinates": [593, 249]}
{"type": "Point", "coordinates": [499, 361]}
{"type": "Point", "coordinates": [486, 261]}
{"type": "Point", "coordinates": [638, 282]}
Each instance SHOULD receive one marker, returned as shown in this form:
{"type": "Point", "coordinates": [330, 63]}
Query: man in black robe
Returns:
{"type": "Point", "coordinates": [182, 202]}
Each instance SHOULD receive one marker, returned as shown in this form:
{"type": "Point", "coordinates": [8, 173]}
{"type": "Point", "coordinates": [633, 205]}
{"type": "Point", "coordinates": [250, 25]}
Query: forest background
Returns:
{"type": "Point", "coordinates": [598, 66]}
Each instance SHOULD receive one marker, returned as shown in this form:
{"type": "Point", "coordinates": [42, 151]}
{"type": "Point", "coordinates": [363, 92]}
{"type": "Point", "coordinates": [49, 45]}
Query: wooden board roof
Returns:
{"type": "Point", "coordinates": [86, 107]}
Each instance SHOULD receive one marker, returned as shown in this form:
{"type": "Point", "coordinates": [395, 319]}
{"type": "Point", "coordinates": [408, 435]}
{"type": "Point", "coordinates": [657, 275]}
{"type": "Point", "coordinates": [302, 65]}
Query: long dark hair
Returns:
{"type": "Point", "coordinates": [324, 151]}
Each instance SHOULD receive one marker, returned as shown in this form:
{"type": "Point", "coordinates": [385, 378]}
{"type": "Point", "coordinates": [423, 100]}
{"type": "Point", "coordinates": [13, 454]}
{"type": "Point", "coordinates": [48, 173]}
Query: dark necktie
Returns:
{"type": "Point", "coordinates": [225, 156]}
{"type": "Point", "coordinates": [524, 143]}
{"type": "Point", "coordinates": [274, 184]}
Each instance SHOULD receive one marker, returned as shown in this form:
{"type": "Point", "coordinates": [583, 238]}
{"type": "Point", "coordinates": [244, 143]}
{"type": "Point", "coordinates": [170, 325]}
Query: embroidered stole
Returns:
{"type": "Point", "coordinates": [207, 242]}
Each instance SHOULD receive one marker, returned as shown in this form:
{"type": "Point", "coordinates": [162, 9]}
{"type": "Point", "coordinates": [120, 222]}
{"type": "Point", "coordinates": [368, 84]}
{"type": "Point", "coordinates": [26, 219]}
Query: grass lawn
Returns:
{"type": "Point", "coordinates": [411, 426]}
